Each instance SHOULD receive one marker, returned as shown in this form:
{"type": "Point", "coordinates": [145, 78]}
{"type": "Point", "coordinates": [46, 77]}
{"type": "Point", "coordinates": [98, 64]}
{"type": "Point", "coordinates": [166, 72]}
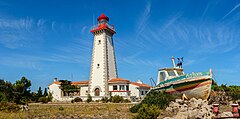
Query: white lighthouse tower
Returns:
{"type": "Point", "coordinates": [103, 65]}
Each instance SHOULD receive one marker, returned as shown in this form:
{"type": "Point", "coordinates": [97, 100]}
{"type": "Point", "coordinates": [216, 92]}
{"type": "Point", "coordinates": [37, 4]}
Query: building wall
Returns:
{"type": "Point", "coordinates": [142, 91]}
{"type": "Point", "coordinates": [55, 91]}
{"type": "Point", "coordinates": [119, 92]}
{"type": "Point", "coordinates": [84, 90]}
{"type": "Point", "coordinates": [134, 90]}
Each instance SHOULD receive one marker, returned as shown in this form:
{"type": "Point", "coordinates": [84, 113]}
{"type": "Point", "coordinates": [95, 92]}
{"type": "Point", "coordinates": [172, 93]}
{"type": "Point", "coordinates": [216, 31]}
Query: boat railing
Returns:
{"type": "Point", "coordinates": [186, 76]}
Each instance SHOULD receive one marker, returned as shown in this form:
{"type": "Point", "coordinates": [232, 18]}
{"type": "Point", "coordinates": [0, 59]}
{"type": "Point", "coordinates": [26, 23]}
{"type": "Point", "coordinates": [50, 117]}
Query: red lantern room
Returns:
{"type": "Point", "coordinates": [103, 17]}
{"type": "Point", "coordinates": [103, 25]}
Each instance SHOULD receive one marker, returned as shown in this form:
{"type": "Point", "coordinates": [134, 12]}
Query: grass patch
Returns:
{"type": "Point", "coordinates": [78, 110]}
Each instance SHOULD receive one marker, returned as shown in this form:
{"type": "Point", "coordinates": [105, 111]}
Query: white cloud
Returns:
{"type": "Point", "coordinates": [232, 10]}
{"type": "Point", "coordinates": [16, 33]}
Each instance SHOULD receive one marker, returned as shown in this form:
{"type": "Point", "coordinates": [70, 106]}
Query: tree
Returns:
{"type": "Point", "coordinates": [89, 98]}
{"type": "Point", "coordinates": [22, 90]}
{"type": "Point", "coordinates": [6, 88]}
{"type": "Point", "coordinates": [45, 92]}
{"type": "Point", "coordinates": [2, 97]}
{"type": "Point", "coordinates": [39, 94]}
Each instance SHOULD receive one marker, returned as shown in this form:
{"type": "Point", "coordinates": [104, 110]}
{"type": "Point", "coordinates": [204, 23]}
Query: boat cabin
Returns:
{"type": "Point", "coordinates": [168, 73]}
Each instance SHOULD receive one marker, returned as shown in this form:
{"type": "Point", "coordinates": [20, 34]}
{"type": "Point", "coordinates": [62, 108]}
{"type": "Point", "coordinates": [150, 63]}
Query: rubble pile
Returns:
{"type": "Point", "coordinates": [191, 109]}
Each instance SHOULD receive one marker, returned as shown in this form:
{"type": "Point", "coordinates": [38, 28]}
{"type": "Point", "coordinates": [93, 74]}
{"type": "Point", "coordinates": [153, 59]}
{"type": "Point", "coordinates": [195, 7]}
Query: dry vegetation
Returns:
{"type": "Point", "coordinates": [76, 110]}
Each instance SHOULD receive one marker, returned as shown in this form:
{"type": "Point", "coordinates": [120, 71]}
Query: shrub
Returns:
{"type": "Point", "coordinates": [3, 98]}
{"type": "Point", "coordinates": [43, 99]}
{"type": "Point", "coordinates": [97, 100]}
{"type": "Point", "coordinates": [77, 99]}
{"type": "Point", "coordinates": [89, 98]}
{"type": "Point", "coordinates": [10, 107]}
{"type": "Point", "coordinates": [105, 99]}
{"type": "Point", "coordinates": [49, 97]}
{"type": "Point", "coordinates": [116, 99]}
{"type": "Point", "coordinates": [61, 108]}
{"type": "Point", "coordinates": [148, 112]}
{"type": "Point", "coordinates": [160, 99]}
{"type": "Point", "coordinates": [126, 101]}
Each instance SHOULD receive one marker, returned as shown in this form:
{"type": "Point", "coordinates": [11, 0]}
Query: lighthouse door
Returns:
{"type": "Point", "coordinates": [97, 92]}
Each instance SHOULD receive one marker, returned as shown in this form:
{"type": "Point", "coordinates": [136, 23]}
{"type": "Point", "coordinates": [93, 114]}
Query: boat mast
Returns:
{"type": "Point", "coordinates": [173, 62]}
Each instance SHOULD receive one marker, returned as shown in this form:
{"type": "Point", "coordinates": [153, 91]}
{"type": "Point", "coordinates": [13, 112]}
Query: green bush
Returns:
{"type": "Point", "coordinates": [61, 108]}
{"type": "Point", "coordinates": [135, 108]}
{"type": "Point", "coordinates": [148, 112]}
{"type": "Point", "coordinates": [116, 99]}
{"type": "Point", "coordinates": [43, 99]}
{"type": "Point", "coordinates": [160, 99]}
{"type": "Point", "coordinates": [77, 99]}
{"type": "Point", "coordinates": [126, 101]}
{"type": "Point", "coordinates": [9, 107]}
{"type": "Point", "coordinates": [105, 100]}
{"type": "Point", "coordinates": [89, 98]}
{"type": "Point", "coordinates": [3, 98]}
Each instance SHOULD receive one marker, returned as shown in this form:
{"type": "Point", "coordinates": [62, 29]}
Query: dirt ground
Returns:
{"type": "Point", "coordinates": [72, 111]}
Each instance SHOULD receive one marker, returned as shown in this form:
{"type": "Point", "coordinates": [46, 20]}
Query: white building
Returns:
{"type": "Point", "coordinates": [104, 81]}
{"type": "Point", "coordinates": [117, 86]}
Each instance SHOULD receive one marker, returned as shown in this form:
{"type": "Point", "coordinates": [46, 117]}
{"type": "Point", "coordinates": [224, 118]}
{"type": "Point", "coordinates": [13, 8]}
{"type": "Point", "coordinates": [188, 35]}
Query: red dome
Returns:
{"type": "Point", "coordinates": [103, 16]}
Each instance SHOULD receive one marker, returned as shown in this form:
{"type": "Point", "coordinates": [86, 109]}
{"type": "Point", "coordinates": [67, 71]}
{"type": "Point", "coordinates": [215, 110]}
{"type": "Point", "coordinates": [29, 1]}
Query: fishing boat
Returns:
{"type": "Point", "coordinates": [174, 81]}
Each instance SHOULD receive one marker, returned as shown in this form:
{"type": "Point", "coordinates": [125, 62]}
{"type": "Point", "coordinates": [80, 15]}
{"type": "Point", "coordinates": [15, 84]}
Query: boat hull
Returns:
{"type": "Point", "coordinates": [200, 88]}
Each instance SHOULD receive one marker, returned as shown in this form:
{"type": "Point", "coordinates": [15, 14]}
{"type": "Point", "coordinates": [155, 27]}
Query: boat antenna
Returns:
{"type": "Point", "coordinates": [173, 62]}
{"type": "Point", "coordinates": [180, 62]}
{"type": "Point", "coordinates": [151, 79]}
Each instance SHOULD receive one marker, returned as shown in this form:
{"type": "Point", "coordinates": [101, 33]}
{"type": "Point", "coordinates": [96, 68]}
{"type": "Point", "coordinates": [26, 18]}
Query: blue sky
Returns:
{"type": "Point", "coordinates": [46, 39]}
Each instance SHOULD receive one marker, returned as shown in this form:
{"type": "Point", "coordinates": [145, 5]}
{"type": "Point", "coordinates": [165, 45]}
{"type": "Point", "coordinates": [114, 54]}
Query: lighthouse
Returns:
{"type": "Point", "coordinates": [103, 65]}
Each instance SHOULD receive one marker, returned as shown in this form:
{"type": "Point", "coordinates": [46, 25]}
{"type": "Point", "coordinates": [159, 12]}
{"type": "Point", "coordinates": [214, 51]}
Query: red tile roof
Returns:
{"type": "Point", "coordinates": [119, 80]}
{"type": "Point", "coordinates": [141, 85]}
{"type": "Point", "coordinates": [80, 82]}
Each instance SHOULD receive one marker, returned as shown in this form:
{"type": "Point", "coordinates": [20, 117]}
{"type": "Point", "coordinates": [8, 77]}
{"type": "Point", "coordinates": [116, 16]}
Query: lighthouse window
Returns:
{"type": "Point", "coordinates": [99, 42]}
{"type": "Point", "coordinates": [98, 65]}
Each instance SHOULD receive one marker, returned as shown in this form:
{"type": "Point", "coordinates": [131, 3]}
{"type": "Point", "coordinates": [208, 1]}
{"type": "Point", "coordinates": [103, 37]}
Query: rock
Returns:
{"type": "Point", "coordinates": [193, 104]}
{"type": "Point", "coordinates": [167, 118]}
{"type": "Point", "coordinates": [179, 101]}
{"type": "Point", "coordinates": [181, 115]}
{"type": "Point", "coordinates": [169, 109]}
{"type": "Point", "coordinates": [193, 100]}
{"type": "Point", "coordinates": [191, 109]}
{"type": "Point", "coordinates": [182, 108]}
{"type": "Point", "coordinates": [226, 114]}
{"type": "Point", "coordinates": [199, 102]}
{"type": "Point", "coordinates": [174, 104]}
{"type": "Point", "coordinates": [195, 112]}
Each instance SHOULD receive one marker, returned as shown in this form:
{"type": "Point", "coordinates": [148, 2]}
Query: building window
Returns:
{"type": "Point", "coordinates": [121, 87]}
{"type": "Point", "coordinates": [127, 87]}
{"type": "Point", "coordinates": [98, 65]}
{"type": "Point", "coordinates": [142, 92]}
{"type": "Point", "coordinates": [99, 42]}
{"type": "Point", "coordinates": [146, 92]}
{"type": "Point", "coordinates": [115, 87]}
